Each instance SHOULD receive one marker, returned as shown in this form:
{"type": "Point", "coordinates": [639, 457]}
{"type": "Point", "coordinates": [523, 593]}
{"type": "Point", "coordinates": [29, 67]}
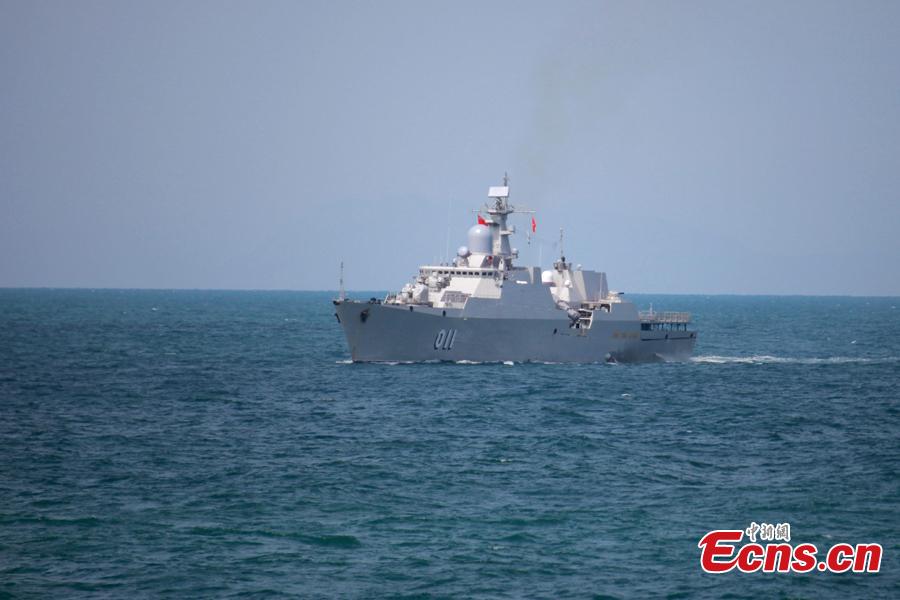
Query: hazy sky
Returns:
{"type": "Point", "coordinates": [689, 147]}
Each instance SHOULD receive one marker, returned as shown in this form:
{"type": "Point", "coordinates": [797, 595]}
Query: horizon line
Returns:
{"type": "Point", "coordinates": [359, 291]}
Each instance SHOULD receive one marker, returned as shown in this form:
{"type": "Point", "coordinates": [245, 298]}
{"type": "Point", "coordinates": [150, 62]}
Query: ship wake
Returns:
{"type": "Point", "coordinates": [765, 359]}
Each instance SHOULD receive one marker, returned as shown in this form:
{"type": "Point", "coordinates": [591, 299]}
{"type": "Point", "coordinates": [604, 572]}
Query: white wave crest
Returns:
{"type": "Point", "coordinates": [764, 359]}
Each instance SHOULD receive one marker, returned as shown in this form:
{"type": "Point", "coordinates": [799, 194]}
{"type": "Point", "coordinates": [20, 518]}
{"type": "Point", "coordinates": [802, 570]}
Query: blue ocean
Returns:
{"type": "Point", "coordinates": [194, 444]}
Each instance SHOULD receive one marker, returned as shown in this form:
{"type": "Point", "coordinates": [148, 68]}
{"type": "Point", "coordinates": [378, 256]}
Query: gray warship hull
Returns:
{"type": "Point", "coordinates": [483, 306]}
{"type": "Point", "coordinates": [379, 332]}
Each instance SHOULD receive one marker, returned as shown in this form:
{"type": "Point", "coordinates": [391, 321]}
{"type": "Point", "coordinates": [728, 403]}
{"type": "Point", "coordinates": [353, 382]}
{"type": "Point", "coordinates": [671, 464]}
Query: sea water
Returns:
{"type": "Point", "coordinates": [212, 444]}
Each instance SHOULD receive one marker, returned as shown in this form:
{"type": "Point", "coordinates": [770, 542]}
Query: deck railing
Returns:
{"type": "Point", "coordinates": [668, 316]}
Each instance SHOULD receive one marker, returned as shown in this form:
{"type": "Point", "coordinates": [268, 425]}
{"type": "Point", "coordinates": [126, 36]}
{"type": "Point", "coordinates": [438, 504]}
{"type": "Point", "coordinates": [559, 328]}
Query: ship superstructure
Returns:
{"type": "Point", "coordinates": [485, 307]}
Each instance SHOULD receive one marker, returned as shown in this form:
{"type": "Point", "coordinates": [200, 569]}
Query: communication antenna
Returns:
{"type": "Point", "coordinates": [562, 253]}
{"type": "Point", "coordinates": [447, 245]}
{"type": "Point", "coordinates": [341, 294]}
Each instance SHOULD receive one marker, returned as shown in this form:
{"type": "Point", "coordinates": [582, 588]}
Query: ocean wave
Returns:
{"type": "Point", "coordinates": [764, 359]}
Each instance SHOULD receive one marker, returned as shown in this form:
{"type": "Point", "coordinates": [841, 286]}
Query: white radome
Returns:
{"type": "Point", "coordinates": [481, 240]}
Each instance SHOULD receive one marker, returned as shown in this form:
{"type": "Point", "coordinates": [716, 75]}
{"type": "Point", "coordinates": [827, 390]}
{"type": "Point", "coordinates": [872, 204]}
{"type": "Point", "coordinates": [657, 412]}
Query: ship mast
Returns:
{"type": "Point", "coordinates": [499, 212]}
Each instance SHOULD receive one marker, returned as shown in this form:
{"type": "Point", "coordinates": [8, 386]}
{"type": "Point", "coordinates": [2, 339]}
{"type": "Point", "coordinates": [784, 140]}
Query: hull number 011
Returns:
{"type": "Point", "coordinates": [444, 339]}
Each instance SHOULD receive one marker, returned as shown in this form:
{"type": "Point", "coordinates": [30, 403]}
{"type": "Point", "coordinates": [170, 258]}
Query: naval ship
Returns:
{"type": "Point", "coordinates": [484, 307]}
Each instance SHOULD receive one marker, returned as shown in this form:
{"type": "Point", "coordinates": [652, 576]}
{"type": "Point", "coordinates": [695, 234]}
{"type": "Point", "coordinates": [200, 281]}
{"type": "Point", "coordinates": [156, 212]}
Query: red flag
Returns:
{"type": "Point", "coordinates": [533, 225]}
{"type": "Point", "coordinates": [481, 220]}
